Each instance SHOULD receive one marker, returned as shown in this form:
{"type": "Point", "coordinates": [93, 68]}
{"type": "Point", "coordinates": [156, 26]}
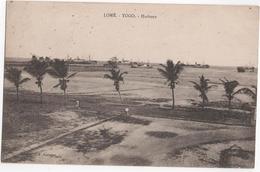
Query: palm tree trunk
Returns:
{"type": "Point", "coordinates": [65, 97]}
{"type": "Point", "coordinates": [229, 102]}
{"type": "Point", "coordinates": [173, 99]}
{"type": "Point", "coordinates": [120, 97]}
{"type": "Point", "coordinates": [41, 93]}
{"type": "Point", "coordinates": [17, 94]}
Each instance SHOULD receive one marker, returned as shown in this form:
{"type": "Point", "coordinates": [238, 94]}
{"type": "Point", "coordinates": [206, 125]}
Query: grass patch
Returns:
{"type": "Point", "coordinates": [131, 120]}
{"type": "Point", "coordinates": [234, 105]}
{"type": "Point", "coordinates": [200, 127]}
{"type": "Point", "coordinates": [130, 160]}
{"type": "Point", "coordinates": [92, 141]}
{"type": "Point", "coordinates": [195, 114]}
{"type": "Point", "coordinates": [161, 134]}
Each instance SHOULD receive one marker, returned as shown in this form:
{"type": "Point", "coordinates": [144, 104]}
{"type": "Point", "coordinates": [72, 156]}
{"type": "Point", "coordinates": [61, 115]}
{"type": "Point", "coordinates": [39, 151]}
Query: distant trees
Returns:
{"type": "Point", "coordinates": [203, 87]}
{"type": "Point", "coordinates": [171, 73]}
{"type": "Point", "coordinates": [117, 76]}
{"type": "Point", "coordinates": [60, 70]}
{"type": "Point", "coordinates": [37, 68]}
{"type": "Point", "coordinates": [229, 86]}
{"type": "Point", "coordinates": [14, 75]}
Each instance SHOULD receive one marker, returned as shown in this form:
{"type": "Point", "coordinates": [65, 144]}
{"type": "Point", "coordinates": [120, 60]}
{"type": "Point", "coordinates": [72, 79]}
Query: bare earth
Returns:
{"type": "Point", "coordinates": [140, 148]}
{"type": "Point", "coordinates": [152, 135]}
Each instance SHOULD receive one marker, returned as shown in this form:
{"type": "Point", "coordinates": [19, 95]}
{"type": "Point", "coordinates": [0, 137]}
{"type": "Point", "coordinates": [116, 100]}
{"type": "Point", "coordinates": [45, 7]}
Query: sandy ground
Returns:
{"type": "Point", "coordinates": [142, 146]}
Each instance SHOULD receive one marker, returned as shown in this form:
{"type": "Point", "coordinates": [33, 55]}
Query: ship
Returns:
{"type": "Point", "coordinates": [82, 61]}
{"type": "Point", "coordinates": [81, 65]}
{"type": "Point", "coordinates": [241, 69]}
{"type": "Point", "coordinates": [196, 65]}
{"type": "Point", "coordinates": [140, 65]}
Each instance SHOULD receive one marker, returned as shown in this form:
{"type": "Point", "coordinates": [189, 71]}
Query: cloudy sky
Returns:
{"type": "Point", "coordinates": [216, 35]}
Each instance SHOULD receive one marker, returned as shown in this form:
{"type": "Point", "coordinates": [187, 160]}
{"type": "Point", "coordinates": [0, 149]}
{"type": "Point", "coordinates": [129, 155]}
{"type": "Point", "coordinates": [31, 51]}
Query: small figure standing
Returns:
{"type": "Point", "coordinates": [126, 110]}
{"type": "Point", "coordinates": [78, 104]}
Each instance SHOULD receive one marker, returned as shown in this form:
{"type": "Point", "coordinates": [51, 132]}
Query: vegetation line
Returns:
{"type": "Point", "coordinates": [195, 120]}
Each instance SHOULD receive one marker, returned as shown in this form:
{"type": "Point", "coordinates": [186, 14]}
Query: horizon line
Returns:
{"type": "Point", "coordinates": [256, 66]}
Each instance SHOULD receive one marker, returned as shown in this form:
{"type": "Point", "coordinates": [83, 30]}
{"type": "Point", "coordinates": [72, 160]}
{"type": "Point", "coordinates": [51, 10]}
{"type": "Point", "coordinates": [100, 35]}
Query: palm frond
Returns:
{"type": "Point", "coordinates": [226, 80]}
{"type": "Point", "coordinates": [24, 80]}
{"type": "Point", "coordinates": [206, 80]}
{"type": "Point", "coordinates": [36, 67]}
{"type": "Point", "coordinates": [222, 81]}
{"type": "Point", "coordinates": [123, 73]}
{"type": "Point", "coordinates": [211, 86]}
{"type": "Point", "coordinates": [13, 75]}
{"type": "Point", "coordinates": [177, 70]}
{"type": "Point", "coordinates": [246, 91]}
{"type": "Point", "coordinates": [255, 88]}
{"type": "Point", "coordinates": [163, 73]}
{"type": "Point", "coordinates": [121, 78]}
{"type": "Point", "coordinates": [171, 72]}
{"type": "Point", "coordinates": [71, 75]}
{"type": "Point", "coordinates": [116, 76]}
{"type": "Point", "coordinates": [164, 66]}
{"type": "Point", "coordinates": [196, 85]}
{"type": "Point", "coordinates": [60, 67]}
{"type": "Point", "coordinates": [53, 72]}
{"type": "Point", "coordinates": [108, 76]}
{"type": "Point", "coordinates": [55, 86]}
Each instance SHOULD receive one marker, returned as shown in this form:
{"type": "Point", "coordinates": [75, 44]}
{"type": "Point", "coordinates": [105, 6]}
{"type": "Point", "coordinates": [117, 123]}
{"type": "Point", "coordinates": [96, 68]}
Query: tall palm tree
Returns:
{"type": "Point", "coordinates": [37, 68]}
{"type": "Point", "coordinates": [229, 86]}
{"type": "Point", "coordinates": [60, 70]}
{"type": "Point", "coordinates": [171, 72]}
{"type": "Point", "coordinates": [117, 76]}
{"type": "Point", "coordinates": [203, 87]}
{"type": "Point", "coordinates": [14, 75]}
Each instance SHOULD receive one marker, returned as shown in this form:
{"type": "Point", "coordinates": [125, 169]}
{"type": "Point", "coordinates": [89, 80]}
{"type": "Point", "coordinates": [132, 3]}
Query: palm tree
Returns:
{"type": "Point", "coordinates": [203, 87]}
{"type": "Point", "coordinates": [250, 92]}
{"type": "Point", "coordinates": [37, 68]}
{"type": "Point", "coordinates": [171, 72]}
{"type": "Point", "coordinates": [60, 70]}
{"type": "Point", "coordinates": [14, 75]}
{"type": "Point", "coordinates": [117, 77]}
{"type": "Point", "coordinates": [253, 94]}
{"type": "Point", "coordinates": [229, 87]}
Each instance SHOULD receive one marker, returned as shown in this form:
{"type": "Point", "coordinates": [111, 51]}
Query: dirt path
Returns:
{"type": "Point", "coordinates": [142, 144]}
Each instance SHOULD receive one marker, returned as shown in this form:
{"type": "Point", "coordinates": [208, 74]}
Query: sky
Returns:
{"type": "Point", "coordinates": [215, 34]}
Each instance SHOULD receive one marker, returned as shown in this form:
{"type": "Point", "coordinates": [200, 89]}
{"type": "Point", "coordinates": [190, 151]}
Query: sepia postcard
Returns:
{"type": "Point", "coordinates": [129, 84]}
